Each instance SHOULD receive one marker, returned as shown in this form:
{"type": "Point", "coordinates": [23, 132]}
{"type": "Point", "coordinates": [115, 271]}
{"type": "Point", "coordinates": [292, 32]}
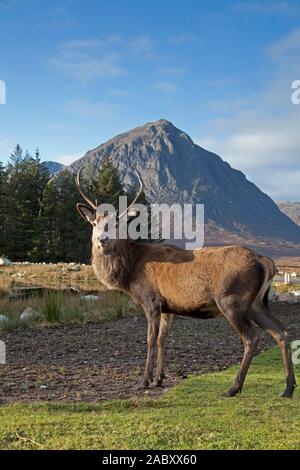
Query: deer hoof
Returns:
{"type": "Point", "coordinates": [158, 382]}
{"type": "Point", "coordinates": [143, 385]}
{"type": "Point", "coordinates": [287, 394]}
{"type": "Point", "coordinates": [232, 392]}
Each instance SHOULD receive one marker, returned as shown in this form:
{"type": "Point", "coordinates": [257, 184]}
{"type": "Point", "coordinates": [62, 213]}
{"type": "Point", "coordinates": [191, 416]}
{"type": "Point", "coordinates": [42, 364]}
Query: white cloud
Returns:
{"type": "Point", "coordinates": [283, 185]}
{"type": "Point", "coordinates": [89, 59]}
{"type": "Point", "coordinates": [267, 7]}
{"type": "Point", "coordinates": [261, 135]}
{"type": "Point", "coordinates": [183, 38]}
{"type": "Point", "coordinates": [286, 47]}
{"type": "Point", "coordinates": [86, 108]}
{"type": "Point", "coordinates": [142, 47]}
{"type": "Point", "coordinates": [67, 159]}
{"type": "Point", "coordinates": [166, 87]}
{"type": "Point", "coordinates": [86, 60]}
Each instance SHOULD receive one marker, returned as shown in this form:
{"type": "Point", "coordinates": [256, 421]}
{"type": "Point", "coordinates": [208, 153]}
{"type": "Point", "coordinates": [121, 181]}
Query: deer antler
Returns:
{"type": "Point", "coordinates": [77, 181]}
{"type": "Point", "coordinates": [136, 197]}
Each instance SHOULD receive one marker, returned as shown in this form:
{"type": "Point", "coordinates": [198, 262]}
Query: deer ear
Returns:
{"type": "Point", "coordinates": [86, 213]}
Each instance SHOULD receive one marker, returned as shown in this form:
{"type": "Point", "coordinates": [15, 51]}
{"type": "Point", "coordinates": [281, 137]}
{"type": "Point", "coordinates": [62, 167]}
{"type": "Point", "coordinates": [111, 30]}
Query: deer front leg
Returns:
{"type": "Point", "coordinates": [165, 323]}
{"type": "Point", "coordinates": [153, 319]}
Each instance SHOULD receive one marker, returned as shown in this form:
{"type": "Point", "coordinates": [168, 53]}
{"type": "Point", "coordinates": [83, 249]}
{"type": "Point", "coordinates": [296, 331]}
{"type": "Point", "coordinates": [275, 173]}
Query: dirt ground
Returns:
{"type": "Point", "coordinates": [101, 361]}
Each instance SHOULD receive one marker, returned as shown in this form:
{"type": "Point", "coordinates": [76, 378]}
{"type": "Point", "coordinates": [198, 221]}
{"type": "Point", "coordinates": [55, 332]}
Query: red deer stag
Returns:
{"type": "Point", "coordinates": [232, 281]}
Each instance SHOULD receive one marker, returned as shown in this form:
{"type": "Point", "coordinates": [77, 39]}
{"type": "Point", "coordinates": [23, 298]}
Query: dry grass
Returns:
{"type": "Point", "coordinates": [50, 276]}
{"type": "Point", "coordinates": [281, 288]}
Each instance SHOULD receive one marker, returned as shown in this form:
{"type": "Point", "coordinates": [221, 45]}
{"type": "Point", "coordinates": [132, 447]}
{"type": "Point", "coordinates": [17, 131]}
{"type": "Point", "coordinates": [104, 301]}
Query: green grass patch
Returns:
{"type": "Point", "coordinates": [193, 415]}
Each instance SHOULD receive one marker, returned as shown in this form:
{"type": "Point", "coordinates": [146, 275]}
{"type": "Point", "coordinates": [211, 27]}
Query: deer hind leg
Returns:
{"type": "Point", "coordinates": [165, 323]}
{"type": "Point", "coordinates": [250, 337]}
{"type": "Point", "coordinates": [265, 319]}
{"type": "Point", "coordinates": [153, 319]}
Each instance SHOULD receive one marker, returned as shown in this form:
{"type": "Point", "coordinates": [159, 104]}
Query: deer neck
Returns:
{"type": "Point", "coordinates": [115, 269]}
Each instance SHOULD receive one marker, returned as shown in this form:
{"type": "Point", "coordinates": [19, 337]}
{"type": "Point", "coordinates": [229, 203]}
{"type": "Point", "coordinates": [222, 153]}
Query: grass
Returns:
{"type": "Point", "coordinates": [281, 288]}
{"type": "Point", "coordinates": [50, 276]}
{"type": "Point", "coordinates": [192, 415]}
{"type": "Point", "coordinates": [60, 307]}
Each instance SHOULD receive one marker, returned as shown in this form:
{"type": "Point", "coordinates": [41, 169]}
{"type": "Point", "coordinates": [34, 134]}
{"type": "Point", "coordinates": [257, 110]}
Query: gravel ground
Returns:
{"type": "Point", "coordinates": [101, 361]}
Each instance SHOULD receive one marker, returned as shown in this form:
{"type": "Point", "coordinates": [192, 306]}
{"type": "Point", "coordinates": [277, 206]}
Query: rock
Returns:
{"type": "Point", "coordinates": [5, 262]}
{"type": "Point", "coordinates": [30, 314]}
{"type": "Point", "coordinates": [19, 274]}
{"type": "Point", "coordinates": [296, 293]}
{"type": "Point", "coordinates": [91, 298]}
{"type": "Point", "coordinates": [286, 297]}
{"type": "Point", "coordinates": [3, 319]}
{"type": "Point", "coordinates": [77, 267]}
{"type": "Point", "coordinates": [71, 267]}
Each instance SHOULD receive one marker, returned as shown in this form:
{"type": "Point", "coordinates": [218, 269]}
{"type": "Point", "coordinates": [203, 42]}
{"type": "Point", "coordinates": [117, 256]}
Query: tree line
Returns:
{"type": "Point", "coordinates": [38, 217]}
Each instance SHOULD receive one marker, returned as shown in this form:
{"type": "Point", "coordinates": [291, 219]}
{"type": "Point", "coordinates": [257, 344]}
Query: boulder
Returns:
{"type": "Point", "coordinates": [19, 274]}
{"type": "Point", "coordinates": [90, 298]}
{"type": "Point", "coordinates": [74, 267]}
{"type": "Point", "coordinates": [32, 315]}
{"type": "Point", "coordinates": [71, 267]}
{"type": "Point", "coordinates": [3, 319]}
{"type": "Point", "coordinates": [5, 262]}
{"type": "Point", "coordinates": [286, 297]}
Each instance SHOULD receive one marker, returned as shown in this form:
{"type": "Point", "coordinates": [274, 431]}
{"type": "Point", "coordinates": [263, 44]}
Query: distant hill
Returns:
{"type": "Point", "coordinates": [54, 167]}
{"type": "Point", "coordinates": [175, 169]}
{"type": "Point", "coordinates": [291, 209]}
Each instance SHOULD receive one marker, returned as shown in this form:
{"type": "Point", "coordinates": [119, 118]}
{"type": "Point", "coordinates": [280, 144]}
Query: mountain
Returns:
{"type": "Point", "coordinates": [175, 169]}
{"type": "Point", "coordinates": [291, 209]}
{"type": "Point", "coordinates": [54, 167]}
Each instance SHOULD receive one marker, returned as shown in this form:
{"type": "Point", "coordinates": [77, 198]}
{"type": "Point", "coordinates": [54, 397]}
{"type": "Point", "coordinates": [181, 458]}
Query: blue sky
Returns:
{"type": "Point", "coordinates": [79, 72]}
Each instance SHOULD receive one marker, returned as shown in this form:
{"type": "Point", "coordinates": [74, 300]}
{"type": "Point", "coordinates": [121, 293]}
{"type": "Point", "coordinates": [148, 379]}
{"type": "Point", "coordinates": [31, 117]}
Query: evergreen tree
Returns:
{"type": "Point", "coordinates": [65, 236]}
{"type": "Point", "coordinates": [107, 187]}
{"type": "Point", "coordinates": [38, 217]}
{"type": "Point", "coordinates": [2, 209]}
{"type": "Point", "coordinates": [26, 179]}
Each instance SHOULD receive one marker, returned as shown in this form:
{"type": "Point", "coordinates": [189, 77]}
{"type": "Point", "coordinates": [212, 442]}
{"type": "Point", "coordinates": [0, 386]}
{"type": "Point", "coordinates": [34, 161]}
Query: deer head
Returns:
{"type": "Point", "coordinates": [106, 223]}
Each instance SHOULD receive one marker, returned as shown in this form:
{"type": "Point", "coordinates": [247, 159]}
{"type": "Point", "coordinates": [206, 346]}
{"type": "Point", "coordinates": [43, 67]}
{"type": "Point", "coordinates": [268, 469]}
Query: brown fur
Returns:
{"type": "Point", "coordinates": [231, 281]}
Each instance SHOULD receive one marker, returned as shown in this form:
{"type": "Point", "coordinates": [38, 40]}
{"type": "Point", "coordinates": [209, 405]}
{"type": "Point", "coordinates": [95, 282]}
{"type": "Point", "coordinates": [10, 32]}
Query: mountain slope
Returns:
{"type": "Point", "coordinates": [291, 209]}
{"type": "Point", "coordinates": [174, 169]}
{"type": "Point", "coordinates": [54, 167]}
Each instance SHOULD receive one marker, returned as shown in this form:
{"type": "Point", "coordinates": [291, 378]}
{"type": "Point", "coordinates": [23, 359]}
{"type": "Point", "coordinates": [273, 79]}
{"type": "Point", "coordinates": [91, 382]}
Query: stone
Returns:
{"type": "Point", "coordinates": [19, 274]}
{"type": "Point", "coordinates": [286, 297]}
{"type": "Point", "coordinates": [91, 298]}
{"type": "Point", "coordinates": [30, 314]}
{"type": "Point", "coordinates": [71, 267]}
{"type": "Point", "coordinates": [5, 262]}
{"type": "Point", "coordinates": [77, 267]}
{"type": "Point", "coordinates": [3, 319]}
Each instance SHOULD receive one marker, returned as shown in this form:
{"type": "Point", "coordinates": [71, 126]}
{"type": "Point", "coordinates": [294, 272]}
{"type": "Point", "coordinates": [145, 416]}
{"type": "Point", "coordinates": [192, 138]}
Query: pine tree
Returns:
{"type": "Point", "coordinates": [26, 179]}
{"type": "Point", "coordinates": [2, 209]}
{"type": "Point", "coordinates": [107, 187]}
{"type": "Point", "coordinates": [65, 236]}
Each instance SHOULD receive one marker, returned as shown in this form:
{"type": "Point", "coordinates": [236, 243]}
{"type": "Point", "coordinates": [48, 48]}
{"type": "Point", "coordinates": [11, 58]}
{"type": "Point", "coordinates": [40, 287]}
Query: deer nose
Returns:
{"type": "Point", "coordinates": [103, 238]}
